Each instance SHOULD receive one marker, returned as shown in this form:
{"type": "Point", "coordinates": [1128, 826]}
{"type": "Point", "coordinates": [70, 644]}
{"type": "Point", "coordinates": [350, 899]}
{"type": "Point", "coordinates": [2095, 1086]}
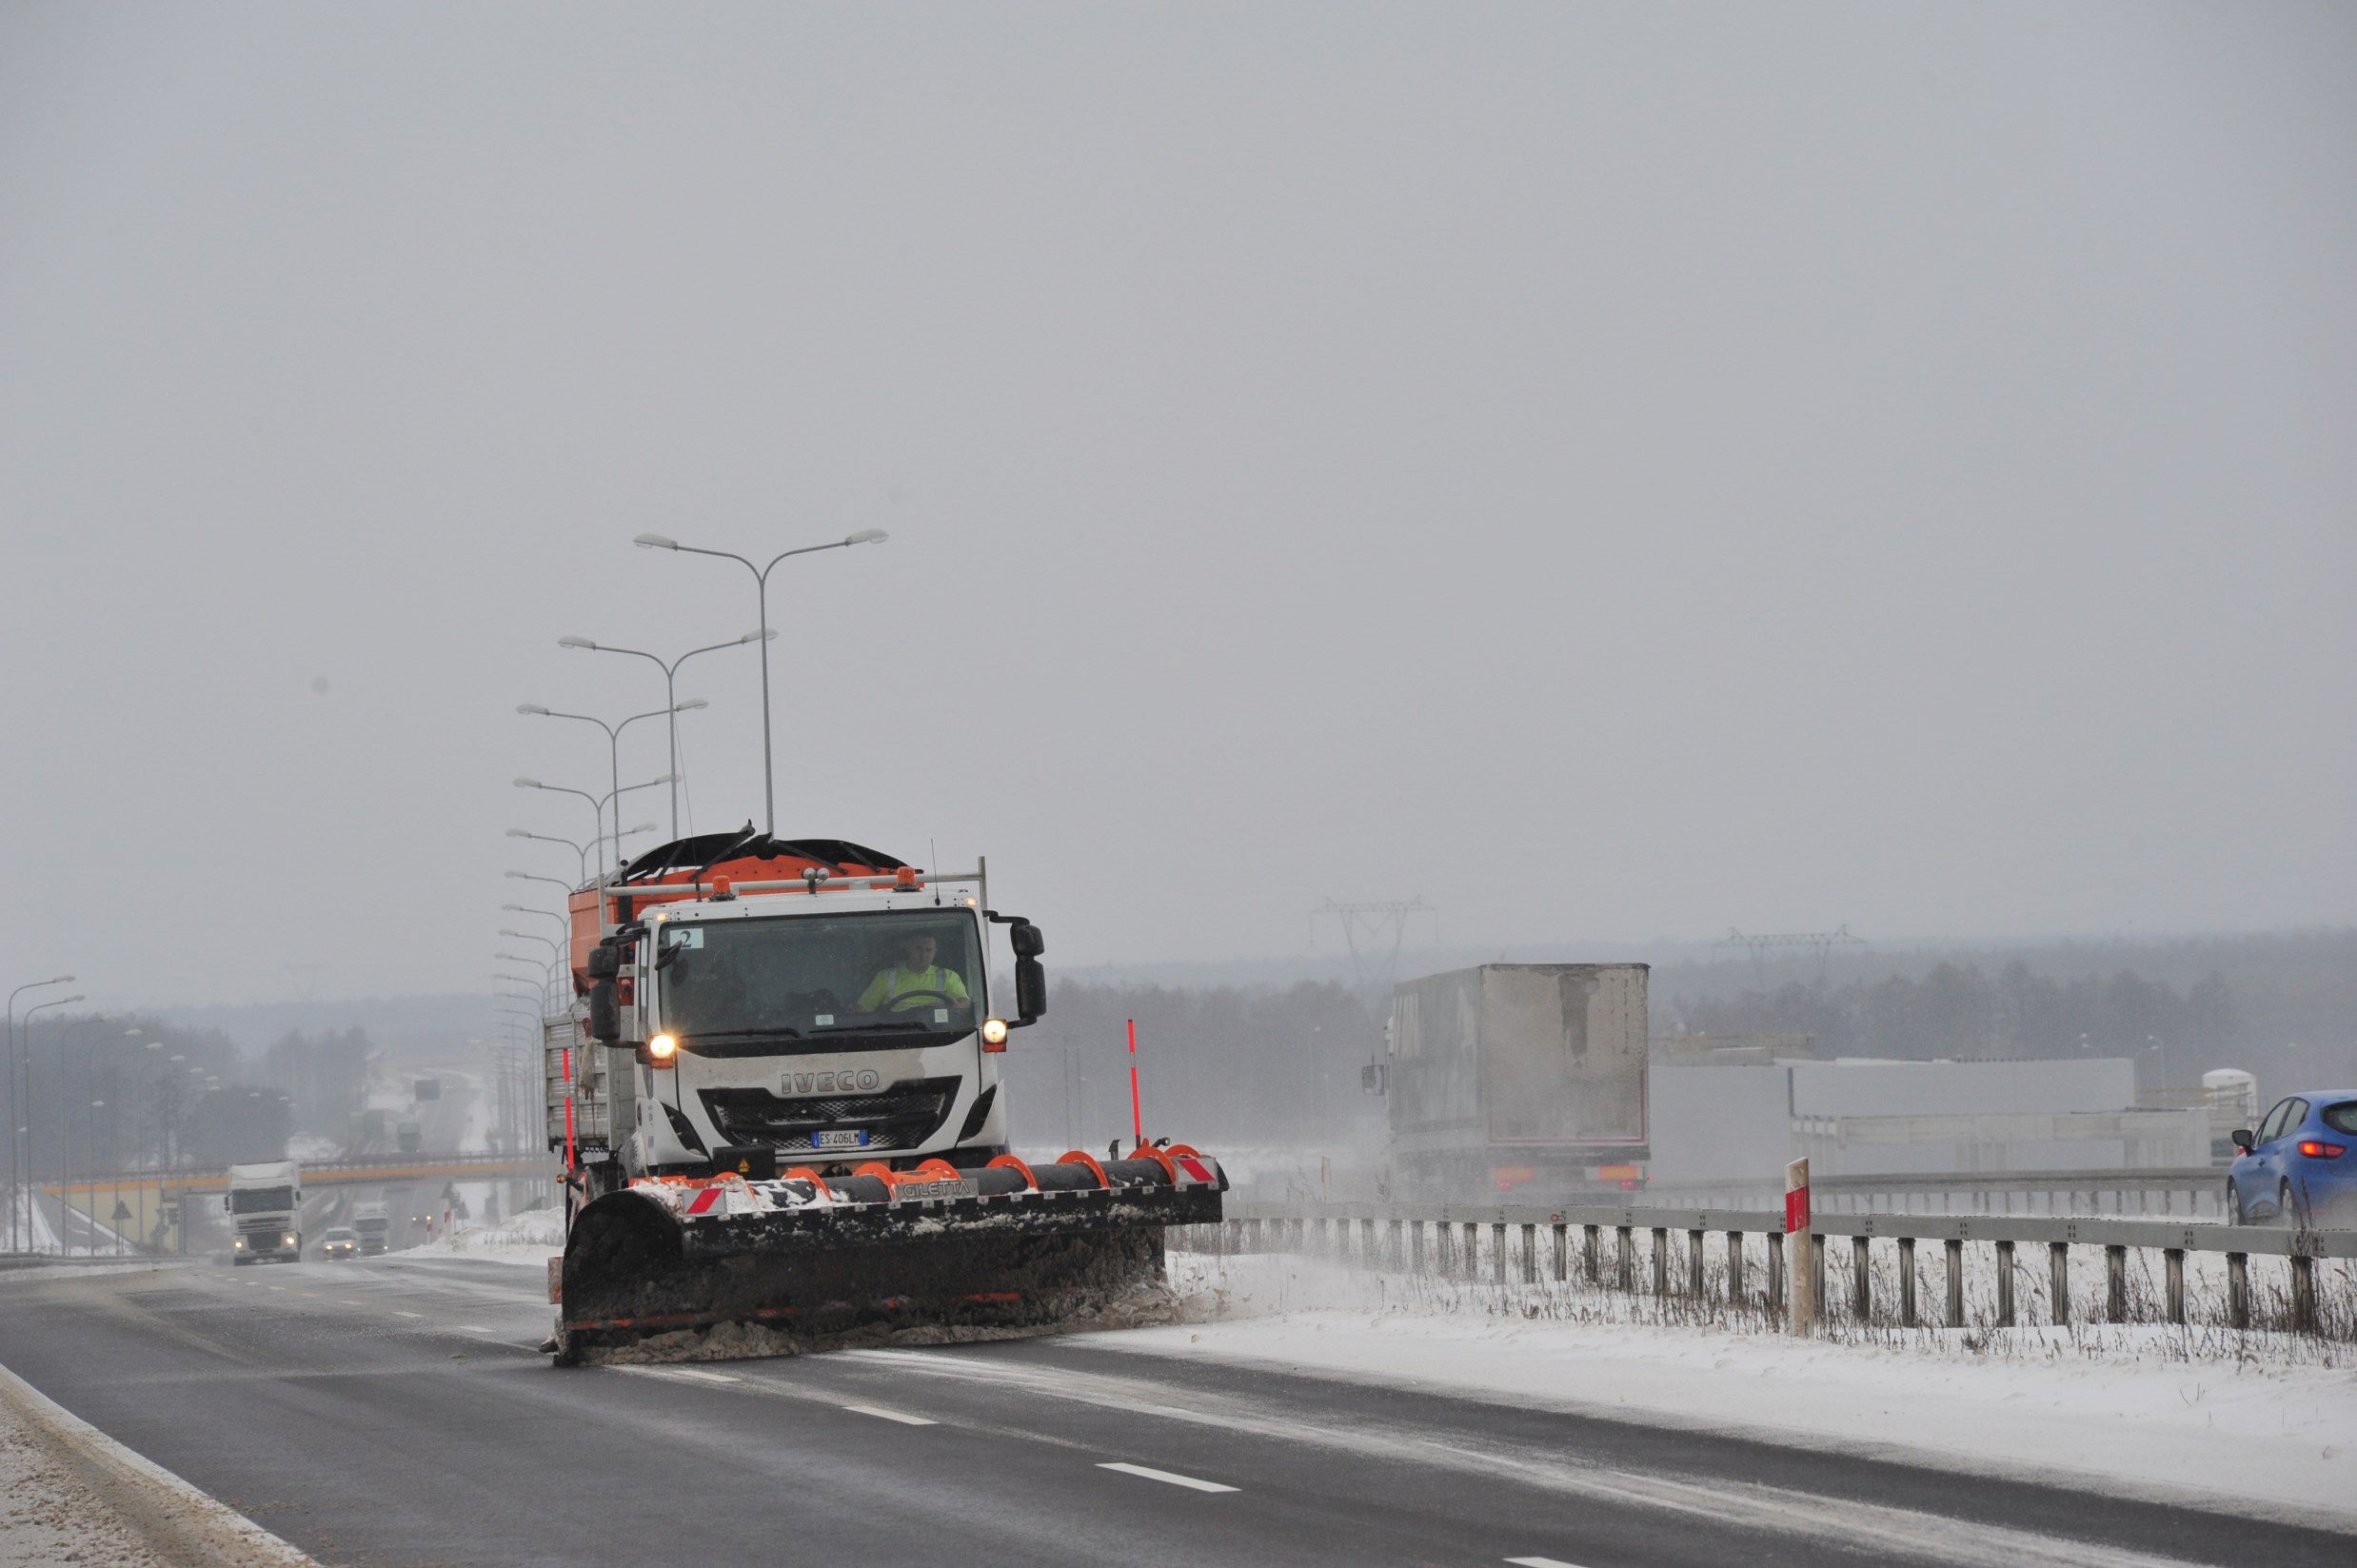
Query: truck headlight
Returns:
{"type": "Point", "coordinates": [994, 1034]}
{"type": "Point", "coordinates": [290, 1242]}
{"type": "Point", "coordinates": [662, 1048]}
{"type": "Point", "coordinates": [240, 1242]}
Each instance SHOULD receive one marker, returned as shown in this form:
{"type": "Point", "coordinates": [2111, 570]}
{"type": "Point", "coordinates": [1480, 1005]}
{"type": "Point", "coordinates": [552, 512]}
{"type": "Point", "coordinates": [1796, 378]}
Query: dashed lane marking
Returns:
{"type": "Point", "coordinates": [890, 1416]}
{"type": "Point", "coordinates": [1539, 1562]}
{"type": "Point", "coordinates": [398, 1313]}
{"type": "Point", "coordinates": [1167, 1476]}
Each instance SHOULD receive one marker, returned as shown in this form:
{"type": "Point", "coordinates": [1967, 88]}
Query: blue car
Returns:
{"type": "Point", "coordinates": [2299, 1166]}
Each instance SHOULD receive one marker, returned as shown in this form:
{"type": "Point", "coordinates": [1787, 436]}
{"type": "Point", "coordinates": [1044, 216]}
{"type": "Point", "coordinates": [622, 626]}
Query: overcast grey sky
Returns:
{"type": "Point", "coordinates": [1615, 471]}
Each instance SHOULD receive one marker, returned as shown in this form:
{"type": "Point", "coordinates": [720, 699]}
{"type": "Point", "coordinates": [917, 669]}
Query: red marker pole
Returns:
{"type": "Point", "coordinates": [1136, 1116]}
{"type": "Point", "coordinates": [569, 1161]}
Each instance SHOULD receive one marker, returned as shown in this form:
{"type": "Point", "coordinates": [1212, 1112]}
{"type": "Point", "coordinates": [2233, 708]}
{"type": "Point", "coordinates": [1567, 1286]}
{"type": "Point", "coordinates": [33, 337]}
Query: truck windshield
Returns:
{"type": "Point", "coordinates": [261, 1200]}
{"type": "Point", "coordinates": [881, 978]}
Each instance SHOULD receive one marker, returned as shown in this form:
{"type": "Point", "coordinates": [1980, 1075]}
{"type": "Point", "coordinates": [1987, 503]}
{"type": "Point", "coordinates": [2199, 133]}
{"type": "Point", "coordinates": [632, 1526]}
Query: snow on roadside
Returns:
{"type": "Point", "coordinates": [532, 1237]}
{"type": "Point", "coordinates": [2120, 1403]}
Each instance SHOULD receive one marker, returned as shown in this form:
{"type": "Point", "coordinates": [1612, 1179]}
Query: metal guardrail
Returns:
{"type": "Point", "coordinates": [1986, 1192]}
{"type": "Point", "coordinates": [2263, 1240]}
{"type": "Point", "coordinates": [1397, 1235]}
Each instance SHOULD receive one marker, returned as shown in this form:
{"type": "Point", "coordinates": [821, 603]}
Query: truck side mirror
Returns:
{"type": "Point", "coordinates": [604, 961]}
{"type": "Point", "coordinates": [605, 1010]}
{"type": "Point", "coordinates": [1030, 989]}
{"type": "Point", "coordinates": [1371, 1077]}
{"type": "Point", "coordinates": [1026, 940]}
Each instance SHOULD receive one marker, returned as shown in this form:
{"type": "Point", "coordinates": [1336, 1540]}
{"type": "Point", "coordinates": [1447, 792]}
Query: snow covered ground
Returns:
{"type": "Point", "coordinates": [531, 1238]}
{"type": "Point", "coordinates": [2273, 1430]}
{"type": "Point", "coordinates": [2263, 1420]}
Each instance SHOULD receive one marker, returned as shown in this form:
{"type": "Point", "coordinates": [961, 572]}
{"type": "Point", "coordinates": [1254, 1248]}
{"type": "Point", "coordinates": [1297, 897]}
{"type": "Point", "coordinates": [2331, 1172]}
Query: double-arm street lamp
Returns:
{"type": "Point", "coordinates": [597, 806]}
{"type": "Point", "coordinates": [670, 691]}
{"type": "Point", "coordinates": [613, 743]}
{"type": "Point", "coordinates": [760, 583]}
{"type": "Point", "coordinates": [581, 851]}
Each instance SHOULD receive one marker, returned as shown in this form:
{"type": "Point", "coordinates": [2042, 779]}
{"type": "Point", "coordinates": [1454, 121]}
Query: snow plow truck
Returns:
{"type": "Point", "coordinates": [778, 1102]}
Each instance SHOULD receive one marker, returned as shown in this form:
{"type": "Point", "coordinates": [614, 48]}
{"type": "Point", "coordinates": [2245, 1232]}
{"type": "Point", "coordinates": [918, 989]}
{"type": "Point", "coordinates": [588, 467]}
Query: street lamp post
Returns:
{"type": "Point", "coordinates": [16, 1106]}
{"type": "Point", "coordinates": [41, 1008]}
{"type": "Point", "coordinates": [670, 691]}
{"type": "Point", "coordinates": [613, 746]}
{"type": "Point", "coordinates": [760, 583]}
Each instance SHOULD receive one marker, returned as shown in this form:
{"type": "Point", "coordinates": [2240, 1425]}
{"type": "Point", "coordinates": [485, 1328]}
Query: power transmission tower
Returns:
{"type": "Point", "coordinates": [1820, 942]}
{"type": "Point", "coordinates": [1365, 927]}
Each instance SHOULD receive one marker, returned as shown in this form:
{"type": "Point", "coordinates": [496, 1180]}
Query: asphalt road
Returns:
{"type": "Point", "coordinates": [393, 1411]}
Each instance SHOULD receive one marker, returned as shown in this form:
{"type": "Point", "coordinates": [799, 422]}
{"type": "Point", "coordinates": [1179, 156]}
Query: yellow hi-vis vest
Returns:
{"type": "Point", "coordinates": [888, 987]}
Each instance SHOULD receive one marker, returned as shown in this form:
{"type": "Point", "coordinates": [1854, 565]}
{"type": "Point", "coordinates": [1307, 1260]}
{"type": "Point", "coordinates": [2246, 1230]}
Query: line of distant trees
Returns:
{"type": "Point", "coordinates": [111, 1092]}
{"type": "Point", "coordinates": [1959, 1011]}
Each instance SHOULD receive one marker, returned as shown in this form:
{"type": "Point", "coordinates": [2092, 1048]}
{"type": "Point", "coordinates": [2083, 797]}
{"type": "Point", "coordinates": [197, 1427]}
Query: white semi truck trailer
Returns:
{"type": "Point", "coordinates": [265, 1201]}
{"type": "Point", "coordinates": [1520, 1081]}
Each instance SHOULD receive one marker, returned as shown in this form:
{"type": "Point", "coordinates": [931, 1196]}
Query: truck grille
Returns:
{"type": "Point", "coordinates": [902, 1117]}
{"type": "Point", "coordinates": [262, 1230]}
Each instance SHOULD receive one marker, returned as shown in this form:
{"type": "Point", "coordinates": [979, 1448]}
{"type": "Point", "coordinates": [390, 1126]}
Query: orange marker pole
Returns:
{"type": "Point", "coordinates": [1136, 1116]}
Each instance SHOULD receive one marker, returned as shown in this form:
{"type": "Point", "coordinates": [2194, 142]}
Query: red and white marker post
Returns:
{"type": "Point", "coordinates": [1800, 1264]}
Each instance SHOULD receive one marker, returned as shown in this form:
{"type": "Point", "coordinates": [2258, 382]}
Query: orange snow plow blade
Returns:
{"type": "Point", "coordinates": [1007, 1246]}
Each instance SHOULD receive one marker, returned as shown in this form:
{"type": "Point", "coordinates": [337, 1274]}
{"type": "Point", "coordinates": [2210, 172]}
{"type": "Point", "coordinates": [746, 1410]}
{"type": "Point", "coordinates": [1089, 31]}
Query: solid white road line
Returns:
{"type": "Point", "coordinates": [1166, 1476]}
{"type": "Point", "coordinates": [1540, 1562]}
{"type": "Point", "coordinates": [680, 1373]}
{"type": "Point", "coordinates": [889, 1416]}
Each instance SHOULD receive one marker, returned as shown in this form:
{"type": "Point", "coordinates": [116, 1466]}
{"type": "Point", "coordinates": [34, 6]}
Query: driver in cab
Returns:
{"type": "Point", "coordinates": [915, 980]}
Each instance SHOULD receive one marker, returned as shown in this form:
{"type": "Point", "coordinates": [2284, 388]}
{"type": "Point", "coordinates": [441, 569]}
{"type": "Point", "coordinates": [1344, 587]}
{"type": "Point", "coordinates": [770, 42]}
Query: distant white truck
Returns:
{"type": "Point", "coordinates": [374, 1221]}
{"type": "Point", "coordinates": [264, 1202]}
{"type": "Point", "coordinates": [1519, 1082]}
